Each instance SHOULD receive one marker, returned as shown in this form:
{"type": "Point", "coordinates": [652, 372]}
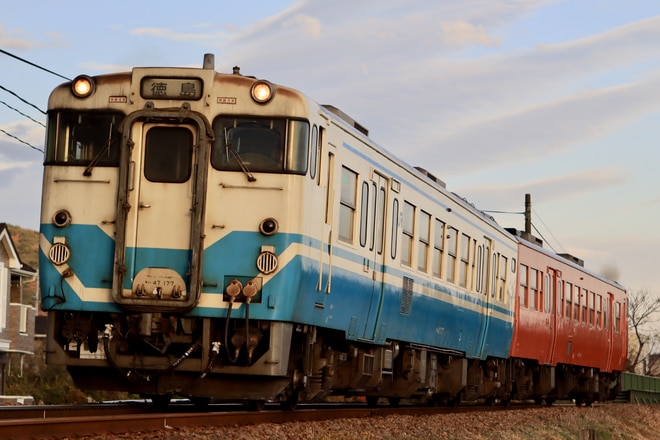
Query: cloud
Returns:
{"type": "Point", "coordinates": [546, 128]}
{"type": "Point", "coordinates": [461, 33]}
{"type": "Point", "coordinates": [552, 189]}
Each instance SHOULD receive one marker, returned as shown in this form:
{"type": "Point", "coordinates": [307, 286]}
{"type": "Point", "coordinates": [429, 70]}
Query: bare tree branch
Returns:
{"type": "Point", "coordinates": [642, 308]}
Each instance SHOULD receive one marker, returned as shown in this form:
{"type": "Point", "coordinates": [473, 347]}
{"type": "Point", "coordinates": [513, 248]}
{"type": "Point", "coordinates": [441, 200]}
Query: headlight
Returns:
{"type": "Point", "coordinates": [269, 226]}
{"type": "Point", "coordinates": [83, 86]}
{"type": "Point", "coordinates": [62, 218]}
{"type": "Point", "coordinates": [262, 91]}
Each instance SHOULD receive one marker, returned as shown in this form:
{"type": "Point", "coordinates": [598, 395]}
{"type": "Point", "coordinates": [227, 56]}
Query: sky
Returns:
{"type": "Point", "coordinates": [558, 99]}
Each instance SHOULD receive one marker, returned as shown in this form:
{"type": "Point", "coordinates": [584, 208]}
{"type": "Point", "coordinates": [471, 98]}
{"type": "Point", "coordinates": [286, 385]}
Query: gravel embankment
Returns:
{"type": "Point", "coordinates": [608, 422]}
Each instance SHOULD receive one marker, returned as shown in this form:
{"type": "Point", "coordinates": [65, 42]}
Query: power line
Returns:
{"type": "Point", "coordinates": [21, 141]}
{"type": "Point", "coordinates": [548, 229]}
{"type": "Point", "coordinates": [23, 114]}
{"type": "Point", "coordinates": [27, 102]}
{"type": "Point", "coordinates": [34, 65]}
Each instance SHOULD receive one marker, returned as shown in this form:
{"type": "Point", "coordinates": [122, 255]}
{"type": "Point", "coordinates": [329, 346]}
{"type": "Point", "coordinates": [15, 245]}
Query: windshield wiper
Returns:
{"type": "Point", "coordinates": [229, 147]}
{"type": "Point", "coordinates": [99, 155]}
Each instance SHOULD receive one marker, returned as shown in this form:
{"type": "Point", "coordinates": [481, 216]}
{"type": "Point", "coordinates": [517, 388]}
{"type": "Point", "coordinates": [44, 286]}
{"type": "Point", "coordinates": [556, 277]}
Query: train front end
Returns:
{"type": "Point", "coordinates": [171, 224]}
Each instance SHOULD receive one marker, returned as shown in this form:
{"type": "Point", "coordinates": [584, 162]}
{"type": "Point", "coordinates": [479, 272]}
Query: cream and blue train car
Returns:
{"type": "Point", "coordinates": [217, 236]}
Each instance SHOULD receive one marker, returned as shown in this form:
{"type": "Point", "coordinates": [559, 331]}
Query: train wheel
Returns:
{"type": "Point", "coordinates": [200, 401]}
{"type": "Point", "coordinates": [291, 402]}
{"type": "Point", "coordinates": [161, 400]}
{"type": "Point", "coordinates": [394, 401]}
{"type": "Point", "coordinates": [256, 405]}
{"type": "Point", "coordinates": [372, 401]}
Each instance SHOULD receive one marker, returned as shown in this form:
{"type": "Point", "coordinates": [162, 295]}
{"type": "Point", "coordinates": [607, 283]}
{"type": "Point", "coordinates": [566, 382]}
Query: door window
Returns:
{"type": "Point", "coordinates": [168, 155]}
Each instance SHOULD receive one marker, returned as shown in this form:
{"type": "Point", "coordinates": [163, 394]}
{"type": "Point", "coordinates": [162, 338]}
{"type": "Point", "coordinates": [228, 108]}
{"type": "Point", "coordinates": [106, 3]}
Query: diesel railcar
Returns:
{"type": "Point", "coordinates": [218, 236]}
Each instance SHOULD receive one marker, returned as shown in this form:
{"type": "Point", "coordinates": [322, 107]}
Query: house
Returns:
{"type": "Point", "coordinates": [17, 309]}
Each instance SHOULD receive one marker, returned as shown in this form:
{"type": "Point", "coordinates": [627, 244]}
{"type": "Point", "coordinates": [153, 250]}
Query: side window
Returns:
{"type": "Point", "coordinates": [569, 299]}
{"type": "Point", "coordinates": [585, 298]}
{"type": "Point", "coordinates": [424, 241]}
{"type": "Point", "coordinates": [599, 311]}
{"type": "Point", "coordinates": [560, 298]}
{"type": "Point", "coordinates": [617, 315]}
{"type": "Point", "coordinates": [452, 247]}
{"type": "Point", "coordinates": [576, 303]}
{"type": "Point", "coordinates": [314, 152]}
{"type": "Point", "coordinates": [408, 233]}
{"type": "Point", "coordinates": [463, 272]}
{"type": "Point", "coordinates": [522, 274]}
{"type": "Point", "coordinates": [592, 309]}
{"type": "Point", "coordinates": [547, 294]}
{"type": "Point", "coordinates": [347, 204]}
{"type": "Point", "coordinates": [606, 309]}
{"type": "Point", "coordinates": [364, 214]}
{"type": "Point", "coordinates": [503, 273]}
{"type": "Point", "coordinates": [533, 288]}
{"type": "Point", "coordinates": [438, 246]}
{"type": "Point", "coordinates": [395, 227]}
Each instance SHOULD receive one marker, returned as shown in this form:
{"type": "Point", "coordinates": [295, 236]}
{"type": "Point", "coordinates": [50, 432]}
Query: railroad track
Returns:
{"type": "Point", "coordinates": [96, 420]}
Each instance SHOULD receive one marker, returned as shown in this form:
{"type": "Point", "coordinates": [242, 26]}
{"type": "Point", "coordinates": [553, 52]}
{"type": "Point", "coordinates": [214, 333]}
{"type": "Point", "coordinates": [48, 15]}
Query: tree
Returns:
{"type": "Point", "coordinates": [645, 339]}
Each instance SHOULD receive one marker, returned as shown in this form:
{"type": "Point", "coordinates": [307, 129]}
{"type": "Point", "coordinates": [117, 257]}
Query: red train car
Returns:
{"type": "Point", "coordinates": [570, 337]}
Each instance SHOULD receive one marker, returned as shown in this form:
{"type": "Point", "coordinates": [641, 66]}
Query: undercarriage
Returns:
{"type": "Point", "coordinates": [160, 356]}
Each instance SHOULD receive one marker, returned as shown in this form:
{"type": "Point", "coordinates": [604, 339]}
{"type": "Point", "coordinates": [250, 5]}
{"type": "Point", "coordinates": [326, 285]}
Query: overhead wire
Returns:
{"type": "Point", "coordinates": [21, 141]}
{"type": "Point", "coordinates": [533, 226]}
{"type": "Point", "coordinates": [33, 65]}
{"type": "Point", "coordinates": [24, 100]}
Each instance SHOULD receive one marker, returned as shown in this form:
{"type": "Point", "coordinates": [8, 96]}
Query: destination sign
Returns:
{"type": "Point", "coordinates": [171, 88]}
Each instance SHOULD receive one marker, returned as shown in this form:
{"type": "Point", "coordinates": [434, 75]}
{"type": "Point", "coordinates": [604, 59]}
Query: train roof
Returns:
{"type": "Point", "coordinates": [568, 259]}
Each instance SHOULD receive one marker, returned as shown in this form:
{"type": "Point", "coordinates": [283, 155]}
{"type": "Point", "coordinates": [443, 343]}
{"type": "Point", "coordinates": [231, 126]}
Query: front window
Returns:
{"type": "Point", "coordinates": [83, 138]}
{"type": "Point", "coordinates": [260, 145]}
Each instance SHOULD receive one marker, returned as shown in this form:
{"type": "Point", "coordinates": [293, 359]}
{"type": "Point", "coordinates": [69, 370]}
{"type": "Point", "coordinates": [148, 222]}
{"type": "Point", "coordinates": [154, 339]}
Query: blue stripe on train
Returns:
{"type": "Point", "coordinates": [292, 294]}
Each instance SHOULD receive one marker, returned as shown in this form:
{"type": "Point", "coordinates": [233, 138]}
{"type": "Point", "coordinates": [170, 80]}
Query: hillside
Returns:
{"type": "Point", "coordinates": [27, 244]}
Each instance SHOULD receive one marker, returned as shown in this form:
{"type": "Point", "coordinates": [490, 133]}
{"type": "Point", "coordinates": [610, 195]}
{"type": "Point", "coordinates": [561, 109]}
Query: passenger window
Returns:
{"type": "Point", "coordinates": [452, 247]}
{"type": "Point", "coordinates": [395, 227]}
{"type": "Point", "coordinates": [438, 246]}
{"type": "Point", "coordinates": [576, 303]}
{"type": "Point", "coordinates": [347, 204]}
{"type": "Point", "coordinates": [463, 272]}
{"type": "Point", "coordinates": [503, 277]}
{"type": "Point", "coordinates": [364, 214]}
{"type": "Point", "coordinates": [522, 274]}
{"type": "Point", "coordinates": [424, 241]}
{"type": "Point", "coordinates": [408, 233]}
{"type": "Point", "coordinates": [314, 153]}
{"type": "Point", "coordinates": [569, 299]}
{"type": "Point", "coordinates": [533, 288]}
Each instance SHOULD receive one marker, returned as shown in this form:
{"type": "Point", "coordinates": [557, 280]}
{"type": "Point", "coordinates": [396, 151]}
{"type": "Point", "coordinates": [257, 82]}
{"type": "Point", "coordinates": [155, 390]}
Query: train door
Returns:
{"type": "Point", "coordinates": [376, 244]}
{"type": "Point", "coordinates": [157, 255]}
{"type": "Point", "coordinates": [325, 261]}
{"type": "Point", "coordinates": [487, 272]}
{"type": "Point", "coordinates": [610, 307]}
{"type": "Point", "coordinates": [550, 302]}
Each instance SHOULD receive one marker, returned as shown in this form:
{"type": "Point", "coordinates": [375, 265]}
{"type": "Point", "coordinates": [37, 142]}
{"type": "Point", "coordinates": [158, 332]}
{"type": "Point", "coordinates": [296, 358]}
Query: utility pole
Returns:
{"type": "Point", "coordinates": [528, 214]}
